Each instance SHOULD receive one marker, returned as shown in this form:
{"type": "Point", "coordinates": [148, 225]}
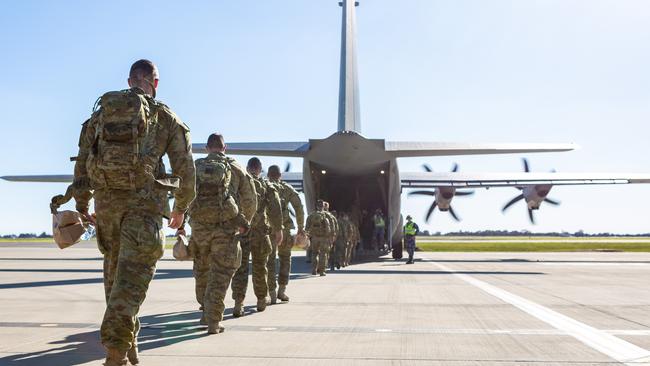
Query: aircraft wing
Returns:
{"type": "Point", "coordinates": [486, 180]}
{"type": "Point", "coordinates": [408, 149]}
{"type": "Point", "coordinates": [285, 149]}
{"type": "Point", "coordinates": [293, 178]}
{"type": "Point", "coordinates": [59, 178]}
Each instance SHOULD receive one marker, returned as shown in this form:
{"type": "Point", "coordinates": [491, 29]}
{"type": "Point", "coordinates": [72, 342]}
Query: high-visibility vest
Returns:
{"type": "Point", "coordinates": [409, 229]}
{"type": "Point", "coordinates": [379, 221]}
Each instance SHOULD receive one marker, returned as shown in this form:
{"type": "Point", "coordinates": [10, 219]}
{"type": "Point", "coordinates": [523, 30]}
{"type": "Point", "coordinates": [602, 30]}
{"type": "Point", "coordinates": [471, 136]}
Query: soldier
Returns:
{"type": "Point", "coordinates": [257, 242]}
{"type": "Point", "coordinates": [320, 233]}
{"type": "Point", "coordinates": [334, 232]}
{"type": "Point", "coordinates": [288, 195]}
{"type": "Point", "coordinates": [341, 242]}
{"type": "Point", "coordinates": [225, 204]}
{"type": "Point", "coordinates": [120, 163]}
{"type": "Point", "coordinates": [379, 228]}
{"type": "Point", "coordinates": [349, 244]}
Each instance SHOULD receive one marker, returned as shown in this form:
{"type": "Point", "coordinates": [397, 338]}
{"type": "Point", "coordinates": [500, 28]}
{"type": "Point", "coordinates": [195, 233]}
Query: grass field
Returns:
{"type": "Point", "coordinates": [493, 244]}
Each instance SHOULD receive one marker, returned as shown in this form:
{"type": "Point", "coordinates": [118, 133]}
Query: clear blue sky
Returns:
{"type": "Point", "coordinates": [260, 70]}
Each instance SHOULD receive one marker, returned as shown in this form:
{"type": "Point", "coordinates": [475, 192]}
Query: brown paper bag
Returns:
{"type": "Point", "coordinates": [67, 228]}
{"type": "Point", "coordinates": [181, 249]}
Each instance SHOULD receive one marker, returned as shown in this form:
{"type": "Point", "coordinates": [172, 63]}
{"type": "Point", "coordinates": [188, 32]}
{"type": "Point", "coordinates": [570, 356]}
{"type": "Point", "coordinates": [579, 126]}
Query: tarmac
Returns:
{"type": "Point", "coordinates": [446, 309]}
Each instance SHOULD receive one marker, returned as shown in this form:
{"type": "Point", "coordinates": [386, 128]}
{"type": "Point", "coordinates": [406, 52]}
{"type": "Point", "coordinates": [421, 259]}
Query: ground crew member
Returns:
{"type": "Point", "coordinates": [257, 242]}
{"type": "Point", "coordinates": [379, 229]}
{"type": "Point", "coordinates": [120, 163]}
{"type": "Point", "coordinates": [288, 195]}
{"type": "Point", "coordinates": [224, 207]}
{"type": "Point", "coordinates": [320, 234]}
{"type": "Point", "coordinates": [411, 229]}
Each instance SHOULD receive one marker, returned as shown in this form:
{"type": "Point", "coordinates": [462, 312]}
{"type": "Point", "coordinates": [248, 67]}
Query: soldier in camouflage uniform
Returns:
{"type": "Point", "coordinates": [334, 225]}
{"type": "Point", "coordinates": [341, 242]}
{"type": "Point", "coordinates": [256, 242]}
{"type": "Point", "coordinates": [352, 243]}
{"type": "Point", "coordinates": [120, 164]}
{"type": "Point", "coordinates": [320, 233]}
{"type": "Point", "coordinates": [288, 195]}
{"type": "Point", "coordinates": [224, 207]}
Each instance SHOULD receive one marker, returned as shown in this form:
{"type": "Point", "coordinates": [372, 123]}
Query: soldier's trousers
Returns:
{"type": "Point", "coordinates": [283, 251]}
{"type": "Point", "coordinates": [257, 245]}
{"type": "Point", "coordinates": [319, 248]}
{"type": "Point", "coordinates": [132, 243]}
{"type": "Point", "coordinates": [338, 252]}
{"type": "Point", "coordinates": [217, 255]}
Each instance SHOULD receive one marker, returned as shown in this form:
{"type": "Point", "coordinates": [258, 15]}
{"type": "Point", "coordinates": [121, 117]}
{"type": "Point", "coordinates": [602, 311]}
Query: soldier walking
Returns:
{"type": "Point", "coordinates": [267, 219]}
{"type": "Point", "coordinates": [120, 163]}
{"type": "Point", "coordinates": [320, 233]}
{"type": "Point", "coordinates": [288, 196]}
{"type": "Point", "coordinates": [224, 207]}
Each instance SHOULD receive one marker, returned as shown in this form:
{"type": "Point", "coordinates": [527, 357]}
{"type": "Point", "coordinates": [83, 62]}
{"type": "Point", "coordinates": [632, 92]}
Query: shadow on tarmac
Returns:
{"type": "Point", "coordinates": [158, 330]}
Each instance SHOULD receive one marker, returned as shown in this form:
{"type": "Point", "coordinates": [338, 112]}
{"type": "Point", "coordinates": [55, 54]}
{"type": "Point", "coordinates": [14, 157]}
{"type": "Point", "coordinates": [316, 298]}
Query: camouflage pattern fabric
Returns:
{"type": "Point", "coordinates": [284, 255]}
{"type": "Point", "coordinates": [319, 245]}
{"type": "Point", "coordinates": [140, 247]}
{"type": "Point", "coordinates": [217, 255]}
{"type": "Point", "coordinates": [321, 237]}
{"type": "Point", "coordinates": [129, 222]}
{"type": "Point", "coordinates": [259, 247]}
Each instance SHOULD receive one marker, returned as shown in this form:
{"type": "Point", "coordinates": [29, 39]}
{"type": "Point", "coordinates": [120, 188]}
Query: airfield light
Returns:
{"type": "Point", "coordinates": [323, 172]}
{"type": "Point", "coordinates": [382, 172]}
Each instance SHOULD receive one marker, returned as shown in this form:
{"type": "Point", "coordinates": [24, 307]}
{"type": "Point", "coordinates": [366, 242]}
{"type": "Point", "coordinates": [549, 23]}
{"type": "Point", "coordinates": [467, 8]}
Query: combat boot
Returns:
{"type": "Point", "coordinates": [322, 274]}
{"type": "Point", "coordinates": [203, 320]}
{"type": "Point", "coordinates": [262, 303]}
{"type": "Point", "coordinates": [132, 355]}
{"type": "Point", "coordinates": [313, 272]}
{"type": "Point", "coordinates": [238, 310]}
{"type": "Point", "coordinates": [274, 297]}
{"type": "Point", "coordinates": [115, 357]}
{"type": "Point", "coordinates": [215, 328]}
{"type": "Point", "coordinates": [281, 293]}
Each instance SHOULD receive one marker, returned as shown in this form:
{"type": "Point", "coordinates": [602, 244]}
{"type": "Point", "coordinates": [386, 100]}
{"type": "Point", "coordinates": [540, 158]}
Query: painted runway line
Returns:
{"type": "Point", "coordinates": [615, 348]}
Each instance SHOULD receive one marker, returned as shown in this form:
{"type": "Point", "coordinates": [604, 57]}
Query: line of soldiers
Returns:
{"type": "Point", "coordinates": [233, 212]}
{"type": "Point", "coordinates": [334, 239]}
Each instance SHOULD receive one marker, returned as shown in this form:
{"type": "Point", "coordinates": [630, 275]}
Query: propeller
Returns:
{"type": "Point", "coordinates": [544, 189]}
{"type": "Point", "coordinates": [447, 194]}
{"type": "Point", "coordinates": [287, 167]}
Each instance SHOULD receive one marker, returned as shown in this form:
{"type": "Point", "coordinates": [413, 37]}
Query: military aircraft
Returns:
{"type": "Point", "coordinates": [355, 173]}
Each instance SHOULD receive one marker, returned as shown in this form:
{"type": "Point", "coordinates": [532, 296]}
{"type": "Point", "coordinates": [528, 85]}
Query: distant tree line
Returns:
{"type": "Point", "coordinates": [579, 233]}
{"type": "Point", "coordinates": [42, 235]}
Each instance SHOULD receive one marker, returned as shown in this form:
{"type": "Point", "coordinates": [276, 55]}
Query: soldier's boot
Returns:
{"type": "Point", "coordinates": [132, 355]}
{"type": "Point", "coordinates": [238, 310]}
{"type": "Point", "coordinates": [323, 274]}
{"type": "Point", "coordinates": [313, 272]}
{"type": "Point", "coordinates": [215, 328]}
{"type": "Point", "coordinates": [115, 357]}
{"type": "Point", "coordinates": [282, 293]}
{"type": "Point", "coordinates": [274, 297]}
{"type": "Point", "coordinates": [262, 303]}
{"type": "Point", "coordinates": [203, 320]}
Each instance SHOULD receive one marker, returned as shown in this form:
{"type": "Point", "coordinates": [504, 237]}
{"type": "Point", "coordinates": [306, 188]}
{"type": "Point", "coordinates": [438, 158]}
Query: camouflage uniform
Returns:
{"type": "Point", "coordinates": [129, 222]}
{"type": "Point", "coordinates": [320, 231]}
{"type": "Point", "coordinates": [352, 243]}
{"type": "Point", "coordinates": [257, 242]}
{"type": "Point", "coordinates": [341, 243]}
{"type": "Point", "coordinates": [288, 195]}
{"type": "Point", "coordinates": [334, 225]}
{"type": "Point", "coordinates": [214, 243]}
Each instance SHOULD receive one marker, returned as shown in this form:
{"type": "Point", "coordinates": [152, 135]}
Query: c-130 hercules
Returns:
{"type": "Point", "coordinates": [354, 173]}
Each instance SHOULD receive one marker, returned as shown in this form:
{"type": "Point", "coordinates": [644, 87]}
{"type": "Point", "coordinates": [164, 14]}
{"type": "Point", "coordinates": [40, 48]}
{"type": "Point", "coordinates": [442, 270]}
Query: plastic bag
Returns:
{"type": "Point", "coordinates": [181, 249]}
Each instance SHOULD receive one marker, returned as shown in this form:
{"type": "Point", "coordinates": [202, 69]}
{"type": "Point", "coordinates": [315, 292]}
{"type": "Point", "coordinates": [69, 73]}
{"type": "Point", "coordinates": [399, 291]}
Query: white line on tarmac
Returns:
{"type": "Point", "coordinates": [613, 264]}
{"type": "Point", "coordinates": [599, 340]}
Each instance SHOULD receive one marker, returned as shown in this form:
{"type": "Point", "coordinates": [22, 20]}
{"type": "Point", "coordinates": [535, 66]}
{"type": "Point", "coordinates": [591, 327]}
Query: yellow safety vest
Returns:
{"type": "Point", "coordinates": [409, 228]}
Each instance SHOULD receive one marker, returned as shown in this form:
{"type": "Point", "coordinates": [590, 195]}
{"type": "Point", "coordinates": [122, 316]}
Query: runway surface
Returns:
{"type": "Point", "coordinates": [446, 309]}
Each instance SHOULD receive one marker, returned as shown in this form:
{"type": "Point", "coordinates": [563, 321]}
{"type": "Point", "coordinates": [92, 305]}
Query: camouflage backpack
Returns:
{"type": "Point", "coordinates": [123, 122]}
{"type": "Point", "coordinates": [213, 203]}
{"type": "Point", "coordinates": [319, 225]}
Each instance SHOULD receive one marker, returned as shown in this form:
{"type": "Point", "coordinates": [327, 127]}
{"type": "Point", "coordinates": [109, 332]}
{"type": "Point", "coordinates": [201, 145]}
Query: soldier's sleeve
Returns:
{"type": "Point", "coordinates": [179, 151]}
{"type": "Point", "coordinates": [247, 195]}
{"type": "Point", "coordinates": [308, 224]}
{"type": "Point", "coordinates": [294, 199]}
{"type": "Point", "coordinates": [274, 208]}
{"type": "Point", "coordinates": [81, 183]}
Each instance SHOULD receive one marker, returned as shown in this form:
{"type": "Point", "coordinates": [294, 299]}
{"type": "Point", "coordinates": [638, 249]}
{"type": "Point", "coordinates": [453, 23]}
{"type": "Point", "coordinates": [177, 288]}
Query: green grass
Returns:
{"type": "Point", "coordinates": [27, 240]}
{"type": "Point", "coordinates": [526, 246]}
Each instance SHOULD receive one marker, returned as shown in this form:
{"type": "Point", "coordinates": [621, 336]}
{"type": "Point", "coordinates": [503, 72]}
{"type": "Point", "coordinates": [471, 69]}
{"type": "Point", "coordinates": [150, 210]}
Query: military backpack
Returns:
{"type": "Point", "coordinates": [115, 160]}
{"type": "Point", "coordinates": [319, 224]}
{"type": "Point", "coordinates": [213, 203]}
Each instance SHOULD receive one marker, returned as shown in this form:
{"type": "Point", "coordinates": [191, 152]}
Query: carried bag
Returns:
{"type": "Point", "coordinates": [67, 226]}
{"type": "Point", "coordinates": [181, 249]}
{"type": "Point", "coordinates": [301, 241]}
